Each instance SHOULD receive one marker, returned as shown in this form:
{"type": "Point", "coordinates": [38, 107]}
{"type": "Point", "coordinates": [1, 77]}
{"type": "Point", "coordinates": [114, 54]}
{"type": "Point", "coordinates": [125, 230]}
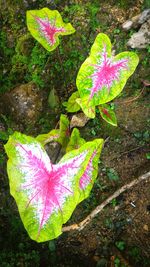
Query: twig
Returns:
{"type": "Point", "coordinates": [99, 208]}
{"type": "Point", "coordinates": [131, 100]}
{"type": "Point", "coordinates": [126, 152]}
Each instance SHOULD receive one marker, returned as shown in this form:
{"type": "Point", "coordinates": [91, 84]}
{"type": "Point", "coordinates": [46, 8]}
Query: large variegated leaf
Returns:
{"type": "Point", "coordinates": [46, 25]}
{"type": "Point", "coordinates": [75, 140]}
{"type": "Point", "coordinates": [47, 194]}
{"type": "Point", "coordinates": [59, 135]}
{"type": "Point", "coordinates": [108, 114]}
{"type": "Point", "coordinates": [102, 76]}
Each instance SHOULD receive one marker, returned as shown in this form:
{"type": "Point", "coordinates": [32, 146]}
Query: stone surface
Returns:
{"type": "Point", "coordinates": [23, 103]}
{"type": "Point", "coordinates": [141, 38]}
{"type": "Point", "coordinates": [79, 120]}
{"type": "Point", "coordinates": [136, 21]}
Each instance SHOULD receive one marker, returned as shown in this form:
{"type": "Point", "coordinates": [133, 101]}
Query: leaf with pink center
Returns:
{"type": "Point", "coordinates": [46, 25]}
{"type": "Point", "coordinates": [46, 194]}
{"type": "Point", "coordinates": [60, 135]}
{"type": "Point", "coordinates": [103, 76]}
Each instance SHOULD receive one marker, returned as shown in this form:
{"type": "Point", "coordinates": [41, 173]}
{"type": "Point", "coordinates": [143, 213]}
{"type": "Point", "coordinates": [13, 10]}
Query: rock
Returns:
{"type": "Point", "coordinates": [145, 227]}
{"type": "Point", "coordinates": [142, 38]}
{"type": "Point", "coordinates": [79, 120]}
{"type": "Point", "coordinates": [136, 21]}
{"type": "Point", "coordinates": [23, 103]}
{"type": "Point", "coordinates": [145, 15]}
{"type": "Point", "coordinates": [127, 25]}
{"type": "Point", "coordinates": [53, 149]}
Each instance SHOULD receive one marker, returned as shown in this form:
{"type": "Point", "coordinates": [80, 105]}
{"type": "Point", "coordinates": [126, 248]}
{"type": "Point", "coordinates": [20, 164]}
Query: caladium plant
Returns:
{"type": "Point", "coordinates": [102, 76]}
{"type": "Point", "coordinates": [46, 194]}
{"type": "Point", "coordinates": [46, 25]}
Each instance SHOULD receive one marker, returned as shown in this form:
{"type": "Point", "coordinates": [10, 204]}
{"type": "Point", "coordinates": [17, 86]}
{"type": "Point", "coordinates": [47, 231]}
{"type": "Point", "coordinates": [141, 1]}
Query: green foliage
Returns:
{"type": "Point", "coordinates": [112, 174]}
{"type": "Point", "coordinates": [4, 135]}
{"type": "Point", "coordinates": [120, 245]}
{"type": "Point", "coordinates": [148, 155]}
{"type": "Point", "coordinates": [13, 259]}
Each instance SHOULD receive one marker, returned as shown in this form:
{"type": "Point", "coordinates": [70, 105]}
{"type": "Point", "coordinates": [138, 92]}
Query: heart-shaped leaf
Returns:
{"type": "Point", "coordinates": [47, 194]}
{"type": "Point", "coordinates": [75, 140]}
{"type": "Point", "coordinates": [59, 135]}
{"type": "Point", "coordinates": [108, 114]}
{"type": "Point", "coordinates": [102, 76]}
{"type": "Point", "coordinates": [46, 25]}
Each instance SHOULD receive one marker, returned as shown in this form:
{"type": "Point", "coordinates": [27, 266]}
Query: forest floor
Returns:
{"type": "Point", "coordinates": [119, 236]}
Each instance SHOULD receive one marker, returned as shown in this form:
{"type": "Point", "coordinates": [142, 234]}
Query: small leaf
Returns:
{"type": "Point", "coordinates": [112, 174]}
{"type": "Point", "coordinates": [46, 25]}
{"type": "Point", "coordinates": [120, 245]}
{"type": "Point", "coordinates": [59, 135]}
{"type": "Point", "coordinates": [108, 114]}
{"type": "Point", "coordinates": [72, 105]}
{"type": "Point", "coordinates": [4, 135]}
{"type": "Point", "coordinates": [148, 155]}
{"type": "Point", "coordinates": [75, 140]}
{"type": "Point", "coordinates": [53, 99]}
{"type": "Point", "coordinates": [46, 194]}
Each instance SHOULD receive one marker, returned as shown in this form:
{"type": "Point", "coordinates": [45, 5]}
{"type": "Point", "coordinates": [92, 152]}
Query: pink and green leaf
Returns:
{"type": "Point", "coordinates": [75, 140]}
{"type": "Point", "coordinates": [46, 194]}
{"type": "Point", "coordinates": [108, 114]}
{"type": "Point", "coordinates": [72, 105]}
{"type": "Point", "coordinates": [60, 135]}
{"type": "Point", "coordinates": [46, 25]}
{"type": "Point", "coordinates": [102, 76]}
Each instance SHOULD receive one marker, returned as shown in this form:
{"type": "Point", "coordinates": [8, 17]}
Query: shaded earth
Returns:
{"type": "Point", "coordinates": [120, 235]}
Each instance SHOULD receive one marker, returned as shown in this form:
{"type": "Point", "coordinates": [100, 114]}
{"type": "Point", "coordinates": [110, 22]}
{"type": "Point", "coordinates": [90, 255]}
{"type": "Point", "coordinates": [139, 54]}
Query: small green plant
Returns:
{"type": "Point", "coordinates": [112, 174]}
{"type": "Point", "coordinates": [120, 245]}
